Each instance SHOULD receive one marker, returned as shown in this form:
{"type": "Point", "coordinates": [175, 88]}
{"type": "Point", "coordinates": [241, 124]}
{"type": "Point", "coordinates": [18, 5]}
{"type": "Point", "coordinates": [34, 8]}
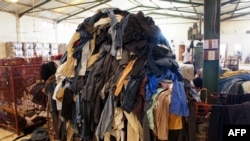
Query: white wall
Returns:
{"type": "Point", "coordinates": [233, 33]}
{"type": "Point", "coordinates": [37, 30]}
{"type": "Point", "coordinates": [30, 29]}
{"type": "Point", "coordinates": [40, 30]}
{"type": "Point", "coordinates": [7, 31]}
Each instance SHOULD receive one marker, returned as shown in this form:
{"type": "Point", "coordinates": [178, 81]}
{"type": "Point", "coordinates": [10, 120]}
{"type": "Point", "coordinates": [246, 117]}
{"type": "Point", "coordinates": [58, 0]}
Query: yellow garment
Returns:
{"type": "Point", "coordinates": [67, 68]}
{"type": "Point", "coordinates": [107, 20]}
{"type": "Point", "coordinates": [134, 128]}
{"type": "Point", "coordinates": [233, 73]}
{"type": "Point", "coordinates": [125, 73]}
{"type": "Point", "coordinates": [70, 131]}
{"type": "Point", "coordinates": [58, 75]}
{"type": "Point", "coordinates": [174, 122]}
{"type": "Point", "coordinates": [161, 115]}
{"type": "Point", "coordinates": [60, 94]}
{"type": "Point", "coordinates": [246, 87]}
{"type": "Point", "coordinates": [92, 59]}
{"type": "Point", "coordinates": [92, 44]}
{"type": "Point", "coordinates": [107, 136]}
{"type": "Point", "coordinates": [117, 126]}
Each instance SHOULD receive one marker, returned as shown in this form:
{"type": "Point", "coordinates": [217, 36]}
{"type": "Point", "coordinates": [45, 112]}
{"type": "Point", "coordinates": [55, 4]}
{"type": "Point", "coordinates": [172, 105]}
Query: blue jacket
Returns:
{"type": "Point", "coordinates": [178, 104]}
{"type": "Point", "coordinates": [226, 83]}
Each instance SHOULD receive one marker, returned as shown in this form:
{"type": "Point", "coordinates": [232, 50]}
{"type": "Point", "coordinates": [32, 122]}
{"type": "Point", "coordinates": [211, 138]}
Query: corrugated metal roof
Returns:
{"type": "Point", "coordinates": [76, 10]}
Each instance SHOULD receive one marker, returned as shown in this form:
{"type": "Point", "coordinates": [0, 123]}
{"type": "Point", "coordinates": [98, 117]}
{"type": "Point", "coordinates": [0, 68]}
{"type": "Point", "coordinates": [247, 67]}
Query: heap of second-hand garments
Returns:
{"type": "Point", "coordinates": [110, 71]}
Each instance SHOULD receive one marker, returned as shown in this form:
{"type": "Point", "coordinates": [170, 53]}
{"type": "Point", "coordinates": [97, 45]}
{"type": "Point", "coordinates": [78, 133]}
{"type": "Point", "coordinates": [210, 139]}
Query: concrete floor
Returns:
{"type": "Point", "coordinates": [7, 135]}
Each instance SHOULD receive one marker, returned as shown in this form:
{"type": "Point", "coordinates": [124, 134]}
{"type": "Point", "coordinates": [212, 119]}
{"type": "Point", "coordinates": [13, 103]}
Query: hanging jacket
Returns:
{"type": "Point", "coordinates": [161, 115]}
{"type": "Point", "coordinates": [178, 104]}
{"type": "Point", "coordinates": [134, 128]}
{"type": "Point", "coordinates": [107, 116]}
{"type": "Point", "coordinates": [123, 77]}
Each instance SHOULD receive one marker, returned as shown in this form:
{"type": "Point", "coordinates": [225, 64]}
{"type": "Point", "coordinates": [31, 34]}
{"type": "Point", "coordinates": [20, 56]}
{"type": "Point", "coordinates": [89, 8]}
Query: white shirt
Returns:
{"type": "Point", "coordinates": [187, 56]}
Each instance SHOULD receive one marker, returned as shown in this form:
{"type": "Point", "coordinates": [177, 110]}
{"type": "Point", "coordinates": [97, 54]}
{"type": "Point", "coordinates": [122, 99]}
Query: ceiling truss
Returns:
{"type": "Point", "coordinates": [186, 9]}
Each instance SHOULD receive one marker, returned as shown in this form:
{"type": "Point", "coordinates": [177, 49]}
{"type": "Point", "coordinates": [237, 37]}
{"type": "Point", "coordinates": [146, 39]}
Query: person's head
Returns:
{"type": "Point", "coordinates": [188, 49]}
{"type": "Point", "coordinates": [197, 82]}
{"type": "Point", "coordinates": [165, 83]}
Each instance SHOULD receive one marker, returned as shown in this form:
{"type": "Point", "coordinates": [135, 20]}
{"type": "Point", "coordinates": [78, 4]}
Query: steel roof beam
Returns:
{"type": "Point", "coordinates": [228, 12]}
{"type": "Point", "coordinates": [53, 8]}
{"type": "Point", "coordinates": [184, 2]}
{"type": "Point", "coordinates": [36, 6]}
{"type": "Point", "coordinates": [235, 9]}
{"type": "Point", "coordinates": [170, 9]}
{"type": "Point", "coordinates": [232, 17]}
{"type": "Point", "coordinates": [227, 2]}
{"type": "Point", "coordinates": [190, 18]}
{"type": "Point", "coordinates": [58, 21]}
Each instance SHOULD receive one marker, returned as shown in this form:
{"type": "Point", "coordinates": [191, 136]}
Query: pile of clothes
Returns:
{"type": "Point", "coordinates": [235, 82]}
{"type": "Point", "coordinates": [112, 67]}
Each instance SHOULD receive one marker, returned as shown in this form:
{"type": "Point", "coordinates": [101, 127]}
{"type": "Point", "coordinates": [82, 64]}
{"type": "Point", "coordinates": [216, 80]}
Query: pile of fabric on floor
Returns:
{"type": "Point", "coordinates": [235, 82]}
{"type": "Point", "coordinates": [234, 87]}
{"type": "Point", "coordinates": [109, 76]}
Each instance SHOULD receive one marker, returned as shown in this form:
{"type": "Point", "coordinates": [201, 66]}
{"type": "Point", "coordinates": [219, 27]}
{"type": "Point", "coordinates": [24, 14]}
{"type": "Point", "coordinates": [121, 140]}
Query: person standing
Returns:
{"type": "Point", "coordinates": [172, 46]}
{"type": "Point", "coordinates": [187, 57]}
{"type": "Point", "coordinates": [239, 54]}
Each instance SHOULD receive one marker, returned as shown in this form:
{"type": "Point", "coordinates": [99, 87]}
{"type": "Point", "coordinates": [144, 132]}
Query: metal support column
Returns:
{"type": "Point", "coordinates": [211, 44]}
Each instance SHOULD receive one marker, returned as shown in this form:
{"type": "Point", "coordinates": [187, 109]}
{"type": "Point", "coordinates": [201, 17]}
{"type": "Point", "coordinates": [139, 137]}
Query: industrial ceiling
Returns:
{"type": "Point", "coordinates": [74, 11]}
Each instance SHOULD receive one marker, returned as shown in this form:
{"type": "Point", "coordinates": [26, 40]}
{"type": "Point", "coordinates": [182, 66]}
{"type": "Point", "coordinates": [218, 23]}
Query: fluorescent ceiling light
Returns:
{"type": "Point", "coordinates": [13, 1]}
